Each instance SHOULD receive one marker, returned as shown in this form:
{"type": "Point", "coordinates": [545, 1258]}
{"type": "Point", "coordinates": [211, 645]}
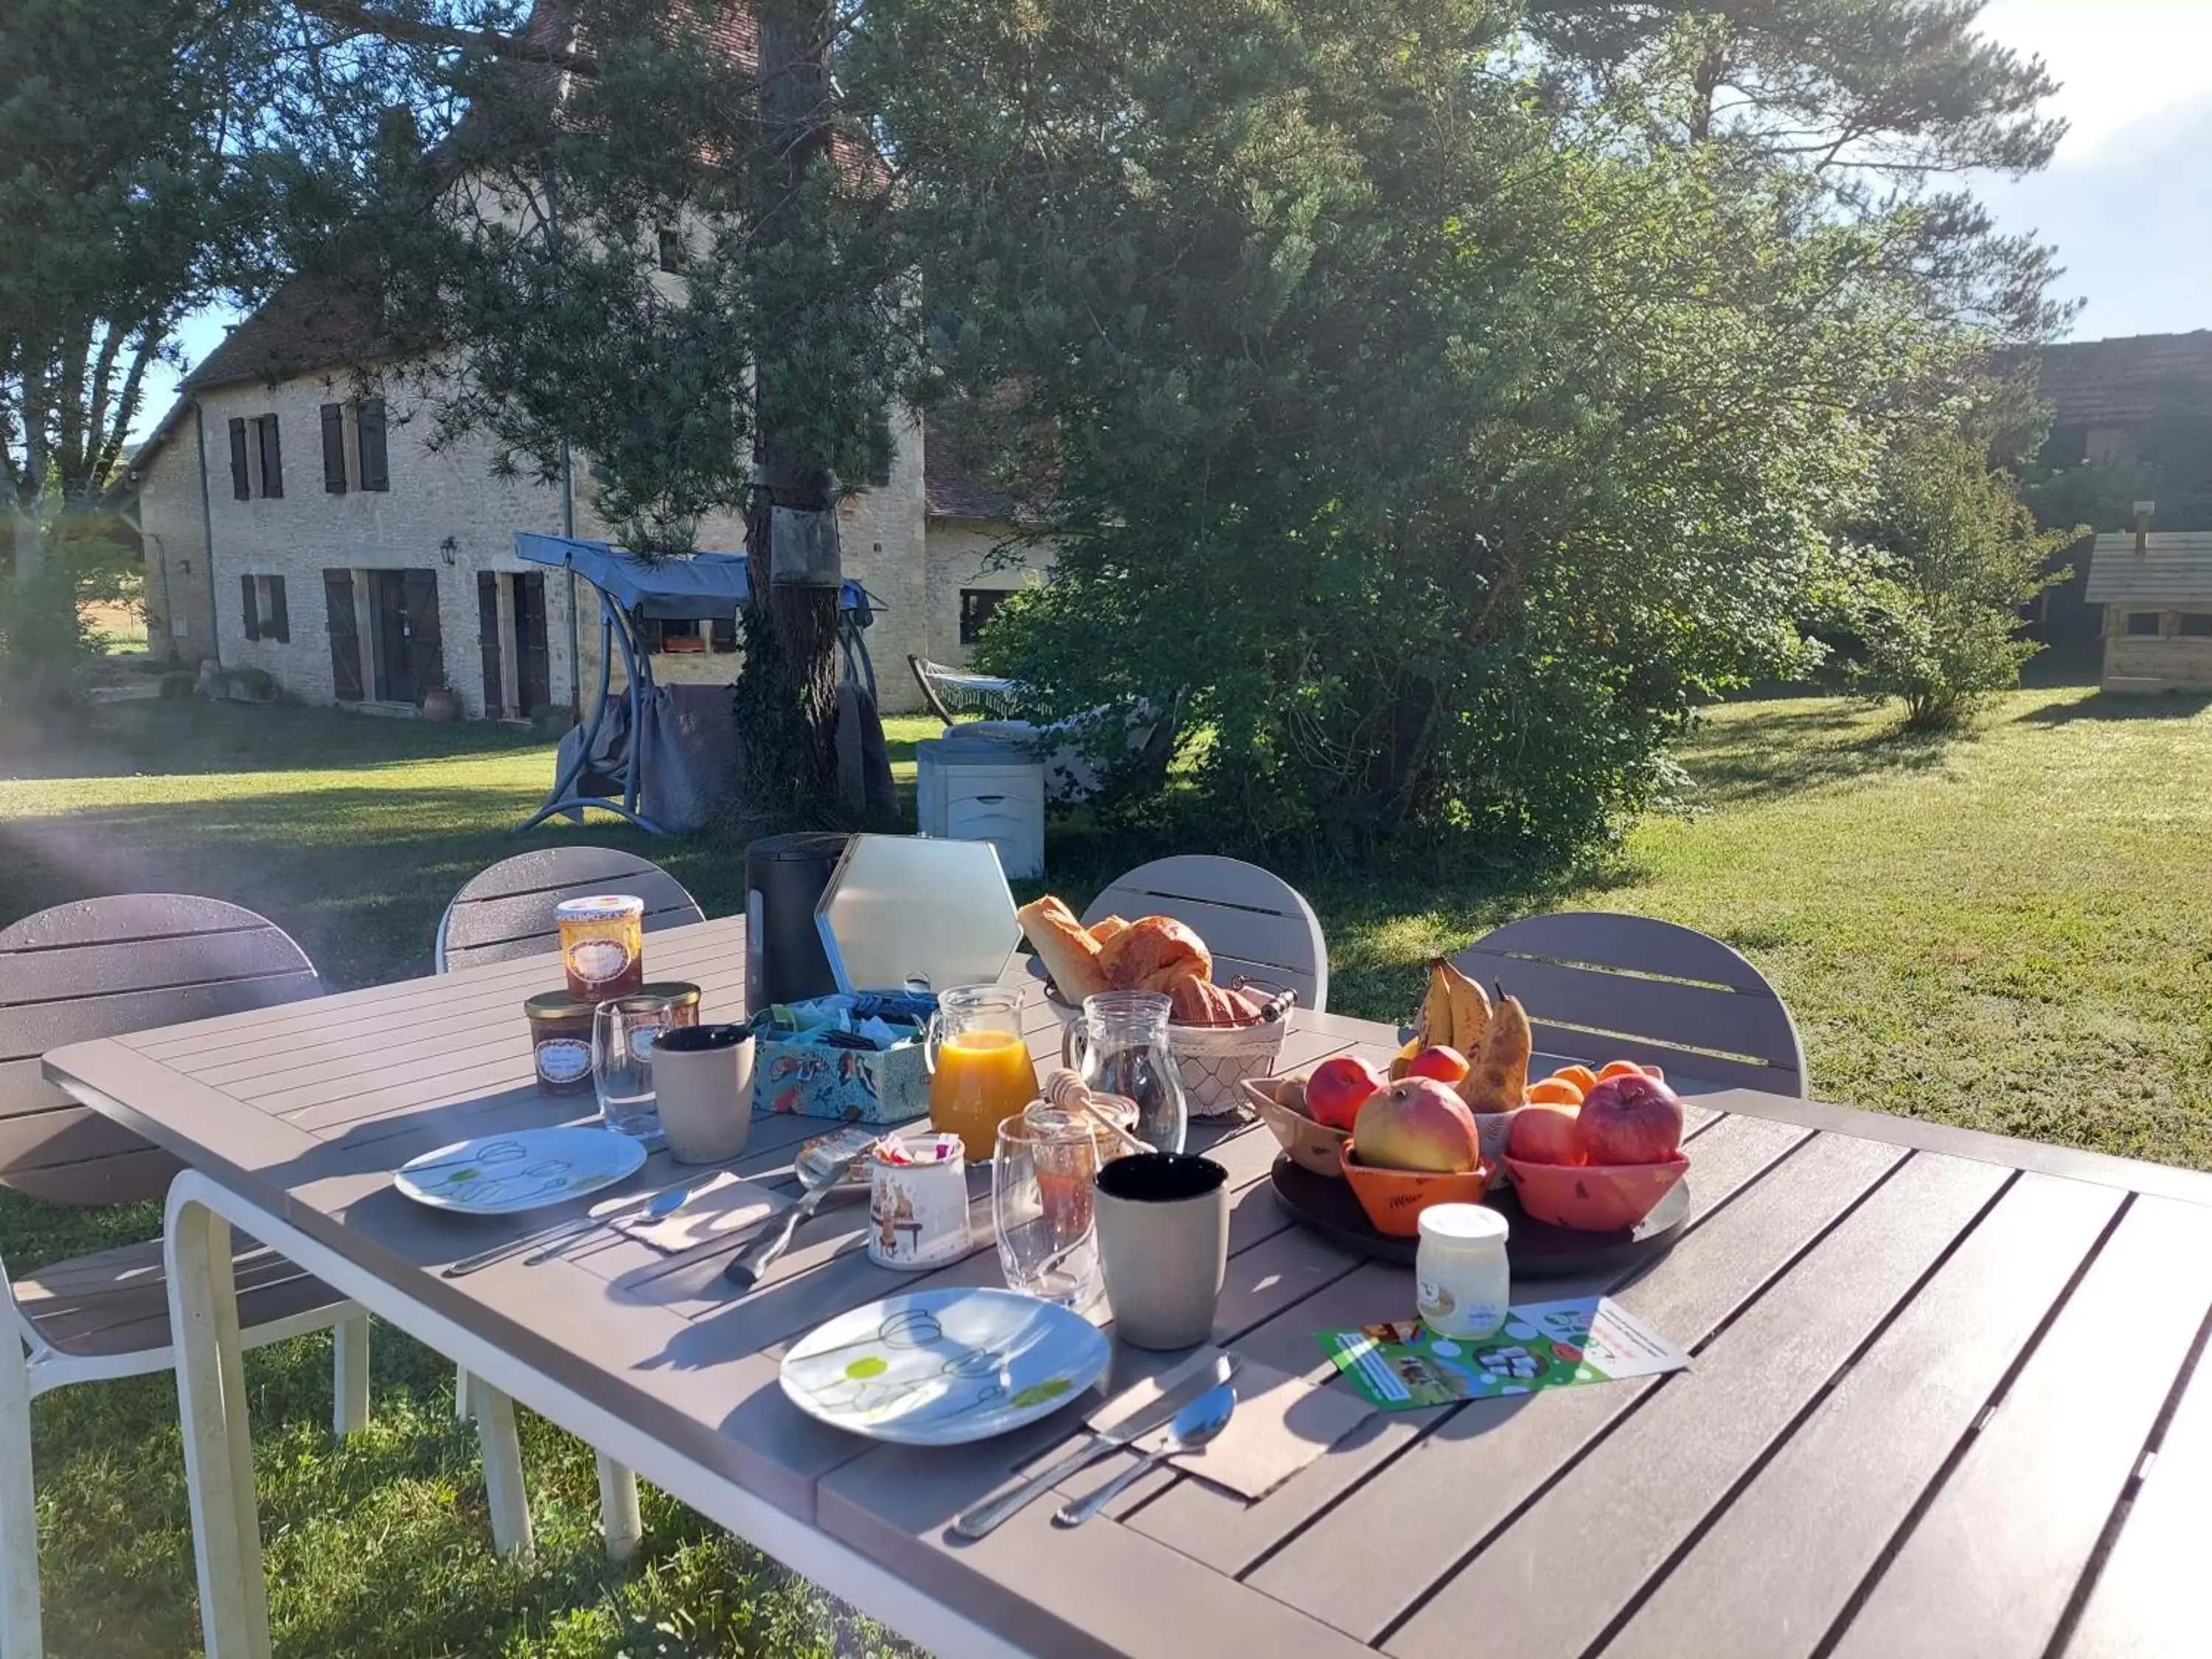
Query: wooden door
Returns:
{"type": "Point", "coordinates": [426, 645]}
{"type": "Point", "coordinates": [345, 636]}
{"type": "Point", "coordinates": [532, 661]}
{"type": "Point", "coordinates": [410, 655]}
{"type": "Point", "coordinates": [495, 695]}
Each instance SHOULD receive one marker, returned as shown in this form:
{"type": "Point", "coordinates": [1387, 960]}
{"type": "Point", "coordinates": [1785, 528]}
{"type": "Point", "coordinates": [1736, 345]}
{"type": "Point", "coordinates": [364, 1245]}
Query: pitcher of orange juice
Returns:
{"type": "Point", "coordinates": [980, 1071]}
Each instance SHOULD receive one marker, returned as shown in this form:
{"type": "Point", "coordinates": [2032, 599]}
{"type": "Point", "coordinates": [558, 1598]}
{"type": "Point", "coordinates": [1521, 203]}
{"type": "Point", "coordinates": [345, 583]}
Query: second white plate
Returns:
{"type": "Point", "coordinates": [508, 1175]}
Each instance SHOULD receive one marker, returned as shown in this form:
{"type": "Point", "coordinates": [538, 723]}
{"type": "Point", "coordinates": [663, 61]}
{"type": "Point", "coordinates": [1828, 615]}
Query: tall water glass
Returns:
{"type": "Point", "coordinates": [623, 1035]}
{"type": "Point", "coordinates": [1041, 1171]}
{"type": "Point", "coordinates": [1121, 1048]}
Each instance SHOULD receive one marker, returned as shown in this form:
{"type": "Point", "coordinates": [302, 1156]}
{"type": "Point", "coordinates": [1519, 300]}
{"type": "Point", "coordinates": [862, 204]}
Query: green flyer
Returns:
{"type": "Point", "coordinates": [1400, 1363]}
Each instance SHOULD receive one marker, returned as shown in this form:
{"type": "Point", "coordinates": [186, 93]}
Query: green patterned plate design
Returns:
{"type": "Point", "coordinates": [507, 1174]}
{"type": "Point", "coordinates": [940, 1368]}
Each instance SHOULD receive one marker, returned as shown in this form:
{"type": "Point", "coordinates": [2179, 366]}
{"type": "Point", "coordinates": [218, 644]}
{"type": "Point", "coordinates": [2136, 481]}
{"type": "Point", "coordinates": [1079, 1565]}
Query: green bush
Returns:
{"type": "Point", "coordinates": [1954, 555]}
{"type": "Point", "coordinates": [45, 647]}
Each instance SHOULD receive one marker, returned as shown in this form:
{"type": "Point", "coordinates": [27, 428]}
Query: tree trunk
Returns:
{"type": "Point", "coordinates": [787, 692]}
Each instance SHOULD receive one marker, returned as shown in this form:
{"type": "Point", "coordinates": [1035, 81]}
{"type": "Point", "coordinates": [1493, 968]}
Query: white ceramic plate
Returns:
{"type": "Point", "coordinates": [940, 1368]}
{"type": "Point", "coordinates": [506, 1175]}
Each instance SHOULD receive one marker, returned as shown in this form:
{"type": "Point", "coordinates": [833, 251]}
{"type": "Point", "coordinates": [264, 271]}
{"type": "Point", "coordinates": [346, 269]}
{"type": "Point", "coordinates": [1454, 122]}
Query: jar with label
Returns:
{"type": "Point", "coordinates": [561, 1042]}
{"type": "Point", "coordinates": [602, 944]}
{"type": "Point", "coordinates": [682, 998]}
{"type": "Point", "coordinates": [1461, 1282]}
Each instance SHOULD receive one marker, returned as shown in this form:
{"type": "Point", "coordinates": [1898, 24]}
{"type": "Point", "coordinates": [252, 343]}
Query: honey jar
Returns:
{"type": "Point", "coordinates": [602, 945]}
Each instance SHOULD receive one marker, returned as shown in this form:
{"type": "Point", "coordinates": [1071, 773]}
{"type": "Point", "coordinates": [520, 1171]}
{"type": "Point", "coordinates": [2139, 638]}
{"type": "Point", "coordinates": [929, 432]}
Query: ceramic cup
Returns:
{"type": "Point", "coordinates": [702, 1080]}
{"type": "Point", "coordinates": [1162, 1221]}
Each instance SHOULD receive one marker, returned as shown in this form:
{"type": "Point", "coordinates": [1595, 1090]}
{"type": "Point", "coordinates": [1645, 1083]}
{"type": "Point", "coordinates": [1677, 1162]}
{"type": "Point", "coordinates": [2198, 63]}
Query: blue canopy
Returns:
{"type": "Point", "coordinates": [688, 587]}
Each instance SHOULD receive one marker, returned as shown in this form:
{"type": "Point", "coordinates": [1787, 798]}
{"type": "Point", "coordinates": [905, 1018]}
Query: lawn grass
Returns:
{"type": "Point", "coordinates": [2010, 931]}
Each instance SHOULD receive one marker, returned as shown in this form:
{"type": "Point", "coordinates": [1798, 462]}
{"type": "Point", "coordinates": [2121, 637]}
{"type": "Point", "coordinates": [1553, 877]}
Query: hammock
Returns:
{"type": "Point", "coordinates": [949, 692]}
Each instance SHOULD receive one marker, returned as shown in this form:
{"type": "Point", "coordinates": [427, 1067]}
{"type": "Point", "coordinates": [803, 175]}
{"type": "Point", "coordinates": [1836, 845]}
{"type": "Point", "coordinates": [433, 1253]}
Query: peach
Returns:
{"type": "Point", "coordinates": [1443, 1062]}
{"type": "Point", "coordinates": [1544, 1134]}
{"type": "Point", "coordinates": [1339, 1088]}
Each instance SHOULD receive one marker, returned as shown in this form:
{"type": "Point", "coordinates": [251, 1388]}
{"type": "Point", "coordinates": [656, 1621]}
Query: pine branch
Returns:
{"type": "Point", "coordinates": [364, 19]}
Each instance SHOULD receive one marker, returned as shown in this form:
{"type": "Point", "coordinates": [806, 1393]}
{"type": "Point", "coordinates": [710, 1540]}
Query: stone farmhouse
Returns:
{"type": "Point", "coordinates": [293, 524]}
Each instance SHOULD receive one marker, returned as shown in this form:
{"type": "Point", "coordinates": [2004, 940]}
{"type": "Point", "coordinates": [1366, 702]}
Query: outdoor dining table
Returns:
{"type": "Point", "coordinates": [1947, 1393]}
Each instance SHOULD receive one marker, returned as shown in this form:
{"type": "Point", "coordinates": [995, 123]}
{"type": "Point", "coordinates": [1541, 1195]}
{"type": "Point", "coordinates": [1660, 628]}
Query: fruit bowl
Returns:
{"type": "Point", "coordinates": [1394, 1199]}
{"type": "Point", "coordinates": [1593, 1198]}
{"type": "Point", "coordinates": [1281, 1104]}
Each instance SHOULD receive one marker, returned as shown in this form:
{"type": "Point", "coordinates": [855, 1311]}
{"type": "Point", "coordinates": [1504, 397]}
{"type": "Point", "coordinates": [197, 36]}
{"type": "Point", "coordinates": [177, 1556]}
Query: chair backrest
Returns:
{"type": "Point", "coordinates": [507, 911]}
{"type": "Point", "coordinates": [1253, 922]}
{"type": "Point", "coordinates": [1600, 986]}
{"type": "Point", "coordinates": [103, 967]}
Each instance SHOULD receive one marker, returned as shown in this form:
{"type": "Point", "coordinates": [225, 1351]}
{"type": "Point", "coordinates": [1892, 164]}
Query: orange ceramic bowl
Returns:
{"type": "Point", "coordinates": [1594, 1198]}
{"type": "Point", "coordinates": [1394, 1199]}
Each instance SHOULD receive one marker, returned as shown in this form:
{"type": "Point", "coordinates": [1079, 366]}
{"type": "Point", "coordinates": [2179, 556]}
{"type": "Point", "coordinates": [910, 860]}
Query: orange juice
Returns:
{"type": "Point", "coordinates": [982, 1078]}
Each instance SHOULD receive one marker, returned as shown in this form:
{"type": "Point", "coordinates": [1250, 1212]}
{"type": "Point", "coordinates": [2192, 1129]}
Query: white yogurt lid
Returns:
{"type": "Point", "coordinates": [598, 907]}
{"type": "Point", "coordinates": [1464, 1224]}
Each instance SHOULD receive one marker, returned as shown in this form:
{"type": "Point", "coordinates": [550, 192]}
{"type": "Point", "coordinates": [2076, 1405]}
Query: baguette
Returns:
{"type": "Point", "coordinates": [1069, 954]}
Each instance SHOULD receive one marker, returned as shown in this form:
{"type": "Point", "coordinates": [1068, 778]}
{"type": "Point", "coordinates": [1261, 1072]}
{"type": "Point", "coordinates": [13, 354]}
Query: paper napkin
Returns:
{"type": "Point", "coordinates": [1282, 1423]}
{"type": "Point", "coordinates": [725, 1205]}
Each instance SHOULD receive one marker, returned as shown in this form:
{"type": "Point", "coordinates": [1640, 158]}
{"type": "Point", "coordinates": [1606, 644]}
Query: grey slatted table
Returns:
{"type": "Point", "coordinates": [1948, 1397]}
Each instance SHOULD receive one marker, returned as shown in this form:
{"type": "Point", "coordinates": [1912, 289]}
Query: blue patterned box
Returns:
{"type": "Point", "coordinates": [815, 1079]}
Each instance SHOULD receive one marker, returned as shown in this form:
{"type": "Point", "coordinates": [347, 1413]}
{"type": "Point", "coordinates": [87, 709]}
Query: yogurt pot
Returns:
{"type": "Point", "coordinates": [1462, 1281]}
{"type": "Point", "coordinates": [602, 945]}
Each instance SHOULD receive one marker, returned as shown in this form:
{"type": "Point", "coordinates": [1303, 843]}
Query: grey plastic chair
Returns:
{"type": "Point", "coordinates": [104, 967]}
{"type": "Point", "coordinates": [507, 911]}
{"type": "Point", "coordinates": [1253, 922]}
{"type": "Point", "coordinates": [502, 913]}
{"type": "Point", "coordinates": [1599, 986]}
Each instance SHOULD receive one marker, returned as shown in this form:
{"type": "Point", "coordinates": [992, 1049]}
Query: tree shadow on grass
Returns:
{"type": "Point", "coordinates": [1781, 754]}
{"type": "Point", "coordinates": [2122, 706]}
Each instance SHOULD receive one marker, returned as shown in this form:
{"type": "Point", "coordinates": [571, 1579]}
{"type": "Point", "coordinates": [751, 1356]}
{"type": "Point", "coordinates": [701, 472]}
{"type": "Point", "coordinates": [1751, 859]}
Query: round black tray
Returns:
{"type": "Point", "coordinates": [1537, 1250]}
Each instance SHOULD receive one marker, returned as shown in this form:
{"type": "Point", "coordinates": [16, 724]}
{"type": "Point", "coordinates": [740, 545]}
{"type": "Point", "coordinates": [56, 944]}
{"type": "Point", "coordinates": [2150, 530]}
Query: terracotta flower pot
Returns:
{"type": "Point", "coordinates": [440, 704]}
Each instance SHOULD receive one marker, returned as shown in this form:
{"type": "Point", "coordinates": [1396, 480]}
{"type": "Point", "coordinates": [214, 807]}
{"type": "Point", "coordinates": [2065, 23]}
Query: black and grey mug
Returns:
{"type": "Point", "coordinates": [1162, 1222]}
{"type": "Point", "coordinates": [703, 1080]}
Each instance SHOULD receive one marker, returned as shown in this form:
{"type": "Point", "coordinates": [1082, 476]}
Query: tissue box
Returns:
{"type": "Point", "coordinates": [819, 1080]}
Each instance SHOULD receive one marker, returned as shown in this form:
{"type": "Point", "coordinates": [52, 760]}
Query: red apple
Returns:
{"type": "Point", "coordinates": [1443, 1062]}
{"type": "Point", "coordinates": [1630, 1119]}
{"type": "Point", "coordinates": [1418, 1123]}
{"type": "Point", "coordinates": [1545, 1134]}
{"type": "Point", "coordinates": [1339, 1088]}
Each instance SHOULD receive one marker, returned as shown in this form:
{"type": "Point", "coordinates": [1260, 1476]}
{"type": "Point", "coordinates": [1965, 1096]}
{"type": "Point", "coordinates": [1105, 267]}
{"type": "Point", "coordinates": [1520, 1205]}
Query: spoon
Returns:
{"type": "Point", "coordinates": [1194, 1425]}
{"type": "Point", "coordinates": [662, 1205]}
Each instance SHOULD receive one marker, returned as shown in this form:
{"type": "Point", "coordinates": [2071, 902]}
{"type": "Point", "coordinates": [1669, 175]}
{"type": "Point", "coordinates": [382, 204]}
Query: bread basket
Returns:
{"type": "Point", "coordinates": [1215, 1059]}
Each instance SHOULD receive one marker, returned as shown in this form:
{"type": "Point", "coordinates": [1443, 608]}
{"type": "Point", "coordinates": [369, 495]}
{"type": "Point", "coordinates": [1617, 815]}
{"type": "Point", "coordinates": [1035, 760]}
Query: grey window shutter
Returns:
{"type": "Point", "coordinates": [374, 474]}
{"type": "Point", "coordinates": [280, 620]}
{"type": "Point", "coordinates": [334, 476]}
{"type": "Point", "coordinates": [272, 457]}
{"type": "Point", "coordinates": [252, 609]}
{"type": "Point", "coordinates": [241, 484]}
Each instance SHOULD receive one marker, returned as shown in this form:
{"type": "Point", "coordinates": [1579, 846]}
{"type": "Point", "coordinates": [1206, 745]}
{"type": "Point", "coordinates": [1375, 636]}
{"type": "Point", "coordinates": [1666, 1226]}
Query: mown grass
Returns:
{"type": "Point", "coordinates": [2011, 930]}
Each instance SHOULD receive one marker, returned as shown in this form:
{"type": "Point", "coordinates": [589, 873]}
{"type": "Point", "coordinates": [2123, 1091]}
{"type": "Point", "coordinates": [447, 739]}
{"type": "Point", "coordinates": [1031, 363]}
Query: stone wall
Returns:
{"type": "Point", "coordinates": [961, 555]}
{"type": "Point", "coordinates": [175, 536]}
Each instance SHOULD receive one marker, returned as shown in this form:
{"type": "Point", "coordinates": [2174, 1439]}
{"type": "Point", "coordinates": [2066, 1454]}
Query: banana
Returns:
{"type": "Point", "coordinates": [1434, 1028]}
{"type": "Point", "coordinates": [1470, 1012]}
{"type": "Point", "coordinates": [1404, 1058]}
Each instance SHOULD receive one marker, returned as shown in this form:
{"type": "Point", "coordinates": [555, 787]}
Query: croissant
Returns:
{"type": "Point", "coordinates": [1151, 954]}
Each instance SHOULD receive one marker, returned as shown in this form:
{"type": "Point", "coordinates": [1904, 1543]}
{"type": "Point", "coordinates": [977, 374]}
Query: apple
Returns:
{"type": "Point", "coordinates": [1545, 1134]}
{"type": "Point", "coordinates": [1418, 1123]}
{"type": "Point", "coordinates": [1443, 1062]}
{"type": "Point", "coordinates": [1339, 1088]}
{"type": "Point", "coordinates": [1630, 1119]}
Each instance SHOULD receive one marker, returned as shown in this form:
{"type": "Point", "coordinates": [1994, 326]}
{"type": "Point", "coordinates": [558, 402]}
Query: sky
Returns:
{"type": "Point", "coordinates": [2127, 200]}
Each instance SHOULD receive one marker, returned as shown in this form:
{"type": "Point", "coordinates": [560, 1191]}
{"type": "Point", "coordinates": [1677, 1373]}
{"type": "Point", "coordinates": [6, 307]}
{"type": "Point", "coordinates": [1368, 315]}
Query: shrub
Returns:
{"type": "Point", "coordinates": [1952, 556]}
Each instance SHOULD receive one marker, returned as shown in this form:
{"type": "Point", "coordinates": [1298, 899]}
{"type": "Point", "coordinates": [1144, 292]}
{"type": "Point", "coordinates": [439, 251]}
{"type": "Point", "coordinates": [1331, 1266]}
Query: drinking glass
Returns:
{"type": "Point", "coordinates": [1120, 1047]}
{"type": "Point", "coordinates": [1042, 1172]}
{"type": "Point", "coordinates": [623, 1035]}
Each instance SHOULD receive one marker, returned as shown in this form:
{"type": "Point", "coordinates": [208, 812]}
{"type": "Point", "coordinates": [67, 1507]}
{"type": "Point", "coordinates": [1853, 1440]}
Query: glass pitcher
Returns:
{"type": "Point", "coordinates": [980, 1071]}
{"type": "Point", "coordinates": [1120, 1047]}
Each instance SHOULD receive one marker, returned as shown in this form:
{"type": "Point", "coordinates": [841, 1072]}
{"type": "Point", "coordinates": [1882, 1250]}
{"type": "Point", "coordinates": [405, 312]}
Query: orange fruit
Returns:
{"type": "Point", "coordinates": [1555, 1091]}
{"type": "Point", "coordinates": [1621, 1068]}
{"type": "Point", "coordinates": [1581, 1075]}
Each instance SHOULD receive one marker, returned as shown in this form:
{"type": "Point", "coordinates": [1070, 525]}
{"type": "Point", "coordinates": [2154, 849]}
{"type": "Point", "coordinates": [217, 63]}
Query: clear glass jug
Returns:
{"type": "Point", "coordinates": [980, 1070]}
{"type": "Point", "coordinates": [1120, 1047]}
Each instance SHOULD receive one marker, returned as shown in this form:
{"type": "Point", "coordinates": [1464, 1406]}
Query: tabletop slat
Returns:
{"type": "Point", "coordinates": [2027, 1503]}
{"type": "Point", "coordinates": [1780, 1561]}
{"type": "Point", "coordinates": [2148, 1603]}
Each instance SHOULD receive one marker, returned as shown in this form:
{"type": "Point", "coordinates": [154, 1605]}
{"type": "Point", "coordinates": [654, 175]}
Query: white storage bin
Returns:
{"type": "Point", "coordinates": [981, 792]}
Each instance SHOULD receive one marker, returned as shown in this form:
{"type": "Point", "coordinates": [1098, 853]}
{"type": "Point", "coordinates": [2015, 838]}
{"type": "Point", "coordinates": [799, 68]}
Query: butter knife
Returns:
{"type": "Point", "coordinates": [987, 1516]}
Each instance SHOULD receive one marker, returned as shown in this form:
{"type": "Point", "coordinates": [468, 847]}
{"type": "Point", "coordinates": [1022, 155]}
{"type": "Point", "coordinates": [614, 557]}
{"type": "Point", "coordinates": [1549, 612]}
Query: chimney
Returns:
{"type": "Point", "coordinates": [2144, 510]}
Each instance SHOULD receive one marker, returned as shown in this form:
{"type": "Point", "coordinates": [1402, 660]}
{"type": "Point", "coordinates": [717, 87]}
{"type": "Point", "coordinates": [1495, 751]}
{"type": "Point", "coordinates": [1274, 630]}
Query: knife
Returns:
{"type": "Point", "coordinates": [986, 1516]}
{"type": "Point", "coordinates": [750, 1263]}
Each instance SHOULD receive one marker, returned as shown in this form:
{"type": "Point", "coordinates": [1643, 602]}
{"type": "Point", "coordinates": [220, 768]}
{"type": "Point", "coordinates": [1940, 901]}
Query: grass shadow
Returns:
{"type": "Point", "coordinates": [2122, 706]}
{"type": "Point", "coordinates": [1742, 762]}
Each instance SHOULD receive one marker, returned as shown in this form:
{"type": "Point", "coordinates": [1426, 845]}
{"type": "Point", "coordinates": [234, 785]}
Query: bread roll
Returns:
{"type": "Point", "coordinates": [1195, 1001]}
{"type": "Point", "coordinates": [1153, 953]}
{"type": "Point", "coordinates": [1069, 954]}
{"type": "Point", "coordinates": [1106, 929]}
